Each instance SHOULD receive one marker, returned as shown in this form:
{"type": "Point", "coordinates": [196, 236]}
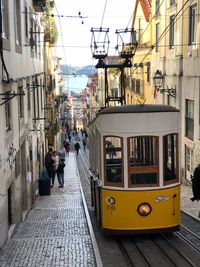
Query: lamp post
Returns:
{"type": "Point", "coordinates": [158, 83]}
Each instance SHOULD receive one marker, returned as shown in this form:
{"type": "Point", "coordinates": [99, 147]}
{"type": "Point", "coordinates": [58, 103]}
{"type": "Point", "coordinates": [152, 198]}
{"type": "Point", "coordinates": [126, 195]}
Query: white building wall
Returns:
{"type": "Point", "coordinates": [21, 149]}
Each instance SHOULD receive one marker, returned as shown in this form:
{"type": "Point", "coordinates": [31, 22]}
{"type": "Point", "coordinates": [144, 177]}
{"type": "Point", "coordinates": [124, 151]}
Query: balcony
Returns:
{"type": "Point", "coordinates": [39, 5]}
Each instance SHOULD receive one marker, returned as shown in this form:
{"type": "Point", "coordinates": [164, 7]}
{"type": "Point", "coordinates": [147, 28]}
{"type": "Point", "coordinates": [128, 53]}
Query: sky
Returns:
{"type": "Point", "coordinates": [75, 36]}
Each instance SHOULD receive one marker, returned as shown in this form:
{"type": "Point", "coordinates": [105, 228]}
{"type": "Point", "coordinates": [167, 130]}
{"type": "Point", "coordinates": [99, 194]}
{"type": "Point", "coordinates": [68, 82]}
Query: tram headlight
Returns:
{"type": "Point", "coordinates": [144, 209]}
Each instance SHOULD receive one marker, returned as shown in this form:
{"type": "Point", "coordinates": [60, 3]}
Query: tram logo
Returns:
{"type": "Point", "coordinates": [161, 198]}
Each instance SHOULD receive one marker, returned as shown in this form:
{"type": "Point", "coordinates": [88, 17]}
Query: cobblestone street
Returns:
{"type": "Point", "coordinates": [55, 232]}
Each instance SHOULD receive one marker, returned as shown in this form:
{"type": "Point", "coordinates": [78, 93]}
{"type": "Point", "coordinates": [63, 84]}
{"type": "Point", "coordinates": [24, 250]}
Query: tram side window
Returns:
{"type": "Point", "coordinates": [170, 161]}
{"type": "Point", "coordinates": [113, 160]}
{"type": "Point", "coordinates": [143, 160]}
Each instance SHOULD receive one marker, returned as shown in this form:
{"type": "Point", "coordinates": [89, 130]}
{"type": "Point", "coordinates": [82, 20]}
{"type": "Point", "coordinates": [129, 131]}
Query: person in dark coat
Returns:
{"type": "Point", "coordinates": [77, 147]}
{"type": "Point", "coordinates": [69, 137]}
{"type": "Point", "coordinates": [49, 163]}
{"type": "Point", "coordinates": [196, 184]}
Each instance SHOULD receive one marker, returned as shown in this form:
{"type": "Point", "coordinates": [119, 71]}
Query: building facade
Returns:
{"type": "Point", "coordinates": [174, 52]}
{"type": "Point", "coordinates": [24, 98]}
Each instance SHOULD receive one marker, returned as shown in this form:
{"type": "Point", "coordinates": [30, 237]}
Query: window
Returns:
{"type": "Point", "coordinates": [113, 160]}
{"type": "Point", "coordinates": [171, 31]}
{"type": "Point", "coordinates": [170, 160]}
{"type": "Point", "coordinates": [157, 6]}
{"type": "Point", "coordinates": [38, 102]}
{"type": "Point", "coordinates": [28, 96]}
{"type": "Point", "coordinates": [189, 119]}
{"type": "Point", "coordinates": [32, 41]}
{"type": "Point", "coordinates": [137, 85]}
{"type": "Point", "coordinates": [5, 19]}
{"type": "Point", "coordinates": [26, 22]}
{"type": "Point", "coordinates": [34, 102]}
{"type": "Point", "coordinates": [189, 163]}
{"type": "Point", "coordinates": [148, 73]}
{"type": "Point", "coordinates": [7, 112]}
{"type": "Point", "coordinates": [133, 82]}
{"type": "Point", "coordinates": [157, 36]}
{"type": "Point", "coordinates": [172, 2]}
{"type": "Point", "coordinates": [35, 39]}
{"type": "Point", "coordinates": [192, 24]}
{"type": "Point", "coordinates": [17, 23]}
{"type": "Point", "coordinates": [41, 93]}
{"type": "Point", "coordinates": [21, 101]}
{"type": "Point", "coordinates": [143, 160]}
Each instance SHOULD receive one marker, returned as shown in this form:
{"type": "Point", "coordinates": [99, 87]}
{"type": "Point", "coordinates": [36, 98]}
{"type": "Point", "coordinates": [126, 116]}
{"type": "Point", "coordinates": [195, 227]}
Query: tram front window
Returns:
{"type": "Point", "coordinates": [113, 160]}
{"type": "Point", "coordinates": [143, 160]}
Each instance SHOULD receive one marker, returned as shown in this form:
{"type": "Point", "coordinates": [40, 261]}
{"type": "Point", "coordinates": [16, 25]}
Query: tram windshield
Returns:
{"type": "Point", "coordinates": [143, 160]}
{"type": "Point", "coordinates": [113, 160]}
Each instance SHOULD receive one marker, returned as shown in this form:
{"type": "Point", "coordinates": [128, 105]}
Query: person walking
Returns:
{"type": "Point", "coordinates": [55, 159]}
{"type": "Point", "coordinates": [69, 137]}
{"type": "Point", "coordinates": [67, 147]}
{"type": "Point", "coordinates": [196, 184]}
{"type": "Point", "coordinates": [77, 147]}
{"type": "Point", "coordinates": [60, 172]}
{"type": "Point", "coordinates": [49, 163]}
{"type": "Point", "coordinates": [84, 143]}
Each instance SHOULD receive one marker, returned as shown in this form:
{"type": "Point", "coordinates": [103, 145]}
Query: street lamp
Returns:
{"type": "Point", "coordinates": [158, 82]}
{"type": "Point", "coordinates": [126, 42]}
{"type": "Point", "coordinates": [100, 43]}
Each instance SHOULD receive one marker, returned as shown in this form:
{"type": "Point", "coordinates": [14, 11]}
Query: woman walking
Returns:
{"type": "Point", "coordinates": [60, 172]}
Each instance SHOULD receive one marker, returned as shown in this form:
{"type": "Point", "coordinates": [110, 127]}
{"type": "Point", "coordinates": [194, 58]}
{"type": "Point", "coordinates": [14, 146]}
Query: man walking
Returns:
{"type": "Point", "coordinates": [77, 147]}
{"type": "Point", "coordinates": [196, 184]}
{"type": "Point", "coordinates": [48, 162]}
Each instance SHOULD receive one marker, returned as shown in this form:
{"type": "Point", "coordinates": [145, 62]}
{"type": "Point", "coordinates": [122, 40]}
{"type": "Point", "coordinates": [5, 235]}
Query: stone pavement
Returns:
{"type": "Point", "coordinates": [55, 232]}
{"type": "Point", "coordinates": [192, 208]}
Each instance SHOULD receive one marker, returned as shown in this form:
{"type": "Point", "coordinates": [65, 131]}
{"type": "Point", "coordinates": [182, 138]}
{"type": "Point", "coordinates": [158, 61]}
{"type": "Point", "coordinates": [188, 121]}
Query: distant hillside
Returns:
{"type": "Point", "coordinates": [70, 70]}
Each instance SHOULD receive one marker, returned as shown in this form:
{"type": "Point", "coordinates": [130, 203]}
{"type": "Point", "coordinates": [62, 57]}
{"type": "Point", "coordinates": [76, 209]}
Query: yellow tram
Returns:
{"type": "Point", "coordinates": [134, 160]}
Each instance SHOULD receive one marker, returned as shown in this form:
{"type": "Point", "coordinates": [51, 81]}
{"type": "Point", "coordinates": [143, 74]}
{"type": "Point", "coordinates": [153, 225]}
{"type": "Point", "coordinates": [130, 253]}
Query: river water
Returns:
{"type": "Point", "coordinates": [75, 83]}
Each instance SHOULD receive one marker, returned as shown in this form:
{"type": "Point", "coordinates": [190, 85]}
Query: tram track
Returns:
{"type": "Point", "coordinates": [166, 250]}
{"type": "Point", "coordinates": [189, 237]}
{"type": "Point", "coordinates": [154, 250]}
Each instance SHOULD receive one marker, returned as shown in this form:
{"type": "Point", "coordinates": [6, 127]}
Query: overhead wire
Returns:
{"type": "Point", "coordinates": [64, 54]}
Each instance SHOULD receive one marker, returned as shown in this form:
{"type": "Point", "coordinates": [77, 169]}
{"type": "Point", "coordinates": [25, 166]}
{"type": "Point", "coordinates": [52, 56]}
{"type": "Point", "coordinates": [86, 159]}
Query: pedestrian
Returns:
{"type": "Point", "coordinates": [77, 147]}
{"type": "Point", "coordinates": [67, 147]}
{"type": "Point", "coordinates": [69, 137]}
{"type": "Point", "coordinates": [196, 184]}
{"type": "Point", "coordinates": [55, 158]}
{"type": "Point", "coordinates": [60, 172]}
{"type": "Point", "coordinates": [49, 163]}
{"type": "Point", "coordinates": [84, 143]}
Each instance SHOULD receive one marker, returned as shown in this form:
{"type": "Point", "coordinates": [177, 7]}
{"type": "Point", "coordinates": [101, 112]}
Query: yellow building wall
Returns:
{"type": "Point", "coordinates": [140, 71]}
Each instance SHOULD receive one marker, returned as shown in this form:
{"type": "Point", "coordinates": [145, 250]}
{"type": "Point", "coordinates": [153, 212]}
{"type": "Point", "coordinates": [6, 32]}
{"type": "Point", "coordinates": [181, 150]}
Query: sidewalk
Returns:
{"type": "Point", "coordinates": [55, 232]}
{"type": "Point", "coordinates": [192, 208]}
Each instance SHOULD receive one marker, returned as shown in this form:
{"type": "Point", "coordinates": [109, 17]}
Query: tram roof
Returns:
{"type": "Point", "coordinates": [138, 109]}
